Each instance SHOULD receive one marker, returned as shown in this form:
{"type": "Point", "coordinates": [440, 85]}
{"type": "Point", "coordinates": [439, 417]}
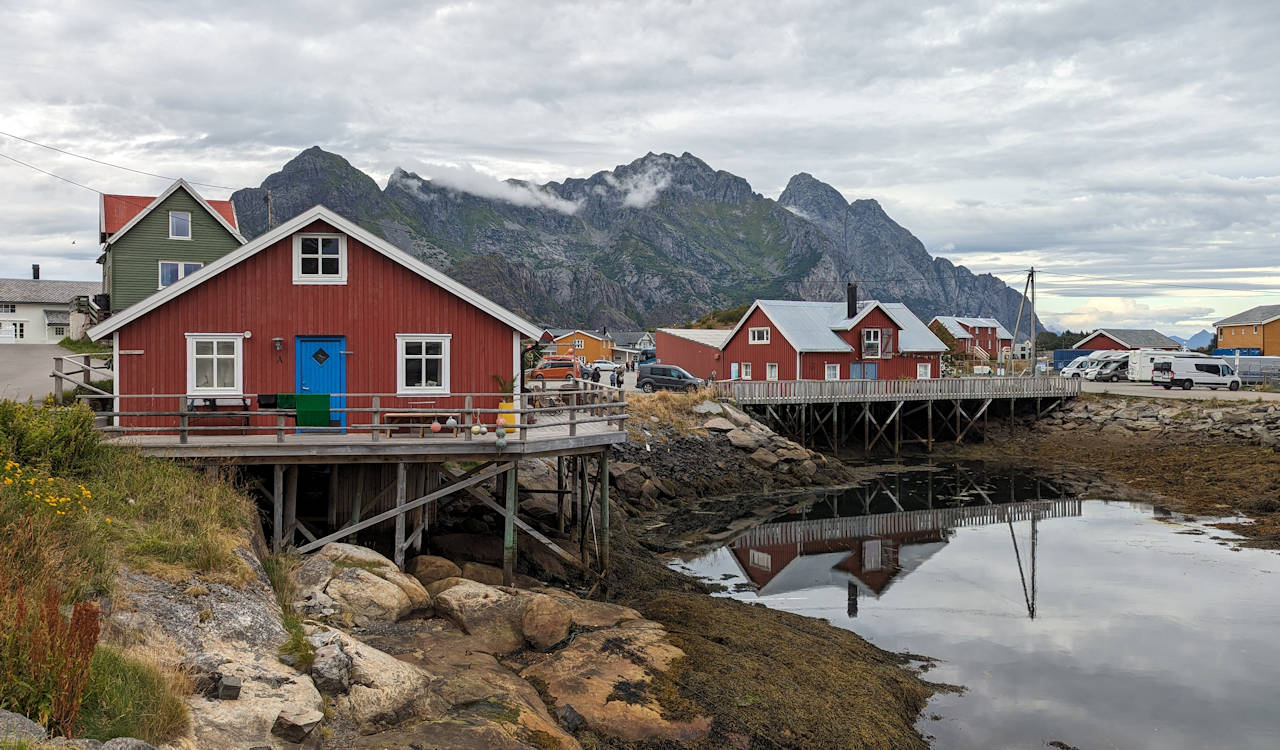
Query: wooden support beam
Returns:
{"type": "Point", "coordinates": [402, 492]}
{"type": "Point", "coordinates": [290, 504]}
{"type": "Point", "coordinates": [492, 471]}
{"type": "Point", "coordinates": [981, 412]}
{"type": "Point", "coordinates": [930, 436]}
{"type": "Point", "coordinates": [277, 508]}
{"type": "Point", "coordinates": [883, 426]}
{"type": "Point", "coordinates": [509, 528]}
{"type": "Point", "coordinates": [560, 494]}
{"type": "Point", "coordinates": [333, 496]}
{"type": "Point", "coordinates": [604, 512]}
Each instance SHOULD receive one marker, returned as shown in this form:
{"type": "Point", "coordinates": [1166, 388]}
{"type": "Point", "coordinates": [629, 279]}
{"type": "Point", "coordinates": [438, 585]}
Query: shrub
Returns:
{"type": "Point", "coordinates": [44, 657]}
{"type": "Point", "coordinates": [59, 439]}
{"type": "Point", "coordinates": [127, 696]}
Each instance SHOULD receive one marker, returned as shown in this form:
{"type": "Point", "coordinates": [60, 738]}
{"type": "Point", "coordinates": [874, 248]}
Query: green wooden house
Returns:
{"type": "Point", "coordinates": [149, 242]}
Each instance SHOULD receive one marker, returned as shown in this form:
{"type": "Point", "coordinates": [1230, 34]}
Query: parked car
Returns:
{"type": "Point", "coordinates": [604, 365]}
{"type": "Point", "coordinates": [1077, 367]}
{"type": "Point", "coordinates": [557, 368]}
{"type": "Point", "coordinates": [654, 377]}
{"type": "Point", "coordinates": [1108, 371]}
{"type": "Point", "coordinates": [1186, 372]}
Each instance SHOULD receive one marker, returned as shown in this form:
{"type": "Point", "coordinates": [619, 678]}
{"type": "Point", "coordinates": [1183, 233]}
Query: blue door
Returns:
{"type": "Point", "coordinates": [855, 370]}
{"type": "Point", "coordinates": [322, 368]}
{"type": "Point", "coordinates": [870, 370]}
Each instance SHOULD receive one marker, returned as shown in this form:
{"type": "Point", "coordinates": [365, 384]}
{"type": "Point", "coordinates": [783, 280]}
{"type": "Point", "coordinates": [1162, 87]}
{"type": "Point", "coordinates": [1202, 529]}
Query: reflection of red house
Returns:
{"type": "Point", "coordinates": [873, 561]}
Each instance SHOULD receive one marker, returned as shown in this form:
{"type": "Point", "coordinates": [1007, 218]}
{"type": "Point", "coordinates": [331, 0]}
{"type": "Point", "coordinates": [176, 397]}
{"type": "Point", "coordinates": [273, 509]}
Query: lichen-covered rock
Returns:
{"type": "Point", "coordinates": [587, 613]}
{"type": "Point", "coordinates": [296, 724]}
{"type": "Point", "coordinates": [367, 597]}
{"type": "Point", "coordinates": [742, 439]}
{"type": "Point", "coordinates": [481, 573]}
{"type": "Point", "coordinates": [436, 587]}
{"type": "Point", "coordinates": [719, 424]}
{"type": "Point", "coordinates": [492, 616]}
{"type": "Point", "coordinates": [763, 458]}
{"type": "Point", "coordinates": [428, 569]}
{"type": "Point", "coordinates": [385, 692]}
{"type": "Point", "coordinates": [18, 728]}
{"type": "Point", "coordinates": [545, 621]}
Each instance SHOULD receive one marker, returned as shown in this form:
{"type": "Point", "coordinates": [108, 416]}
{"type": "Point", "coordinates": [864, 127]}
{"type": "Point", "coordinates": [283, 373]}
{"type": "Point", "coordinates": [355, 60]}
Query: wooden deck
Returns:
{"type": "Point", "coordinates": [762, 392]}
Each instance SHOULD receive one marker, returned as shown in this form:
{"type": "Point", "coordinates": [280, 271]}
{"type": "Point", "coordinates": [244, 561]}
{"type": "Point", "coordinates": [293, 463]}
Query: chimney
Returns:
{"type": "Point", "coordinates": [851, 299]}
{"type": "Point", "coordinates": [35, 271]}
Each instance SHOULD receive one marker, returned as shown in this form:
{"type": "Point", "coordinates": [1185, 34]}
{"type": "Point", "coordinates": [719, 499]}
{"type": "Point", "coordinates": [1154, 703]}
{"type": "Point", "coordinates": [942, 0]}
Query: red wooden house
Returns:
{"type": "Point", "coordinates": [317, 305]}
{"type": "Point", "coordinates": [979, 337]}
{"type": "Point", "coordinates": [791, 340]}
{"type": "Point", "coordinates": [1127, 338]}
{"type": "Point", "coordinates": [695, 349]}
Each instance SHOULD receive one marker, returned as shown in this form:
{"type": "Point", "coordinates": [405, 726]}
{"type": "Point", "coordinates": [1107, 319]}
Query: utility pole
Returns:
{"type": "Point", "coordinates": [1031, 278]}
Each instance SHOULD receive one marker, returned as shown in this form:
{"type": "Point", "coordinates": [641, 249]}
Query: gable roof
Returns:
{"type": "Point", "coordinates": [46, 291]}
{"type": "Point", "coordinates": [560, 333]}
{"type": "Point", "coordinates": [1260, 315]}
{"type": "Point", "coordinates": [317, 213]}
{"type": "Point", "coordinates": [120, 213]}
{"type": "Point", "coordinates": [1137, 338]}
{"type": "Point", "coordinates": [811, 326]}
{"type": "Point", "coordinates": [628, 339]}
{"type": "Point", "coordinates": [716, 337]}
{"type": "Point", "coordinates": [955, 326]}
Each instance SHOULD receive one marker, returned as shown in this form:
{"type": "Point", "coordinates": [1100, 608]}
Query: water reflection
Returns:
{"type": "Point", "coordinates": [1147, 632]}
{"type": "Point", "coordinates": [873, 535]}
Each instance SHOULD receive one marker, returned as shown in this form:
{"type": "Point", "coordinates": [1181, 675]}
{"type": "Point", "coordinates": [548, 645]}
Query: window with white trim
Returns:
{"type": "Point", "coordinates": [758, 335]}
{"type": "Point", "coordinates": [215, 364]}
{"type": "Point", "coordinates": [771, 371]}
{"type": "Point", "coordinates": [871, 343]}
{"type": "Point", "coordinates": [179, 225]}
{"type": "Point", "coordinates": [832, 372]}
{"type": "Point", "coordinates": [579, 344]}
{"type": "Point", "coordinates": [59, 331]}
{"type": "Point", "coordinates": [422, 363]}
{"type": "Point", "coordinates": [745, 370]}
{"type": "Point", "coordinates": [8, 307]}
{"type": "Point", "coordinates": [759, 559]}
{"type": "Point", "coordinates": [19, 329]}
{"type": "Point", "coordinates": [172, 270]}
{"type": "Point", "coordinates": [319, 259]}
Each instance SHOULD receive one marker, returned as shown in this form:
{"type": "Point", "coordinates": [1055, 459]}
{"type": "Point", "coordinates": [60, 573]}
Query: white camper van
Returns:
{"type": "Point", "coordinates": [1142, 360]}
{"type": "Point", "coordinates": [1185, 372]}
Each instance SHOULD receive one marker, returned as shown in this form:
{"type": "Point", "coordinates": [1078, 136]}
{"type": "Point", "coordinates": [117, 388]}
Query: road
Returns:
{"type": "Point", "coordinates": [1125, 388]}
{"type": "Point", "coordinates": [24, 370]}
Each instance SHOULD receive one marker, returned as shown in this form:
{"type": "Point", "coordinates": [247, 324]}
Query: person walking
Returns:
{"type": "Point", "coordinates": [595, 375]}
{"type": "Point", "coordinates": [622, 378]}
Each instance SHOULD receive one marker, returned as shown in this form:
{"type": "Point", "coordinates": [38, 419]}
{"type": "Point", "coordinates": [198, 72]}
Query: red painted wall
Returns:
{"type": "Point", "coordinates": [699, 359]}
{"type": "Point", "coordinates": [1101, 341]}
{"type": "Point", "coordinates": [739, 349]}
{"type": "Point", "coordinates": [380, 299]}
{"type": "Point", "coordinates": [985, 337]}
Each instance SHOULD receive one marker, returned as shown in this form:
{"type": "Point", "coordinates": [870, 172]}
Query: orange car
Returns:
{"type": "Point", "coordinates": [558, 368]}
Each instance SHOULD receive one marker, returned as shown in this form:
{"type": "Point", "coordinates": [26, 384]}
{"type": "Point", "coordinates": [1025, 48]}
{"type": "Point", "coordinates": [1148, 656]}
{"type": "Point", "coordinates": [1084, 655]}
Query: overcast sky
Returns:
{"type": "Point", "coordinates": [1131, 140]}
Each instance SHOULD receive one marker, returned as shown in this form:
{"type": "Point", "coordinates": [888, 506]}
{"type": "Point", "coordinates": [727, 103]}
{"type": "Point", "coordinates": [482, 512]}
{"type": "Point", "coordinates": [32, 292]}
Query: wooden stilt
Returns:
{"type": "Point", "coordinates": [402, 491]}
{"type": "Point", "coordinates": [290, 505]}
{"type": "Point", "coordinates": [604, 511]}
{"type": "Point", "coordinates": [929, 438]}
{"type": "Point", "coordinates": [509, 528]}
{"type": "Point", "coordinates": [866, 428]}
{"type": "Point", "coordinates": [332, 514]}
{"type": "Point", "coordinates": [560, 494]}
{"type": "Point", "coordinates": [277, 508]}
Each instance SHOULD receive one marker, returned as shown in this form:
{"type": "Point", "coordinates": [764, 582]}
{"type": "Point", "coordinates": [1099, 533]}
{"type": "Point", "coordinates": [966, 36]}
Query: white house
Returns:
{"type": "Point", "coordinates": [38, 311]}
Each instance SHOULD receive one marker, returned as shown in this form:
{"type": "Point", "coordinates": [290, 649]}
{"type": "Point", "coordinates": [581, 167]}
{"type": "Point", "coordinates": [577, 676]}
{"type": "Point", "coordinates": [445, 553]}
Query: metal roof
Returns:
{"type": "Point", "coordinates": [57, 317]}
{"type": "Point", "coordinates": [46, 291]}
{"type": "Point", "coordinates": [1137, 338]}
{"type": "Point", "coordinates": [1253, 316]}
{"type": "Point", "coordinates": [119, 210]}
{"type": "Point", "coordinates": [627, 339]}
{"type": "Point", "coordinates": [716, 337]}
{"type": "Point", "coordinates": [810, 326]}
{"type": "Point", "coordinates": [955, 326]}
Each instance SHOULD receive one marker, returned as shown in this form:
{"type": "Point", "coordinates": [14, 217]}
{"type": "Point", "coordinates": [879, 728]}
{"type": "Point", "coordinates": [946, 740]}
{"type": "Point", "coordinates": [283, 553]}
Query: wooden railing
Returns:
{"type": "Point", "coordinates": [832, 391]}
{"type": "Point", "coordinates": [78, 371]}
{"type": "Point", "coordinates": [552, 413]}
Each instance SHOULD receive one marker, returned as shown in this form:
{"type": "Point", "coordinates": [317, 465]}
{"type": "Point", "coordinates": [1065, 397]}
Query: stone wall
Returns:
{"type": "Point", "coordinates": [1253, 422]}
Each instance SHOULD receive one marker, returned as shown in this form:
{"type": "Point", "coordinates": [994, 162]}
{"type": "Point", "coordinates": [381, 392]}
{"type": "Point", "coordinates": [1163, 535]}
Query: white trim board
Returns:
{"type": "Point", "coordinates": [317, 213]}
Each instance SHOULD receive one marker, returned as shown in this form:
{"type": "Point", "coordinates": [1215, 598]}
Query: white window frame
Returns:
{"type": "Point", "coordinates": [182, 273]}
{"type": "Point", "coordinates": [771, 371]}
{"type": "Point", "coordinates": [8, 308]}
{"type": "Point", "coordinates": [190, 230]}
{"type": "Point", "coordinates": [868, 340]}
{"type": "Point", "coordinates": [744, 370]}
{"type": "Point", "coordinates": [445, 364]}
{"type": "Point", "coordinates": [579, 343]}
{"type": "Point", "coordinates": [319, 278]}
{"type": "Point", "coordinates": [758, 335]}
{"type": "Point", "coordinates": [59, 330]}
{"type": "Point", "coordinates": [238, 388]}
{"type": "Point", "coordinates": [19, 329]}
{"type": "Point", "coordinates": [831, 371]}
{"type": "Point", "coordinates": [759, 559]}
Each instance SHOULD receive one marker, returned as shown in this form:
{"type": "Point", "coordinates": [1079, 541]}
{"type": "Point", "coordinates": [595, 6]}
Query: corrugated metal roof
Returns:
{"type": "Point", "coordinates": [1139, 338]}
{"type": "Point", "coordinates": [707, 336]}
{"type": "Point", "coordinates": [915, 336]}
{"type": "Point", "coordinates": [627, 338]}
{"type": "Point", "coordinates": [57, 317]}
{"type": "Point", "coordinates": [1253, 316]}
{"type": "Point", "coordinates": [46, 291]}
{"type": "Point", "coordinates": [118, 210]}
{"type": "Point", "coordinates": [955, 326]}
{"type": "Point", "coordinates": [808, 325]}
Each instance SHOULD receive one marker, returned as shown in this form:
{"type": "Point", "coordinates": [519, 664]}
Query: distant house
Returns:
{"type": "Point", "coordinates": [276, 316]}
{"type": "Point", "coordinates": [628, 345]}
{"type": "Point", "coordinates": [1257, 328]}
{"type": "Point", "coordinates": [38, 311]}
{"type": "Point", "coordinates": [695, 349]}
{"type": "Point", "coordinates": [150, 242]}
{"type": "Point", "coordinates": [1127, 338]}
{"type": "Point", "coordinates": [587, 346]}
{"type": "Point", "coordinates": [983, 338]}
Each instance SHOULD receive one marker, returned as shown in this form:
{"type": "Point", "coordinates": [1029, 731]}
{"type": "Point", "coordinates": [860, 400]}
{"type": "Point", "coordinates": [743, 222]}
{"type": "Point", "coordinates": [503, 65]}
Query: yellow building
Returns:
{"type": "Point", "coordinates": [587, 346]}
{"type": "Point", "coordinates": [1258, 328]}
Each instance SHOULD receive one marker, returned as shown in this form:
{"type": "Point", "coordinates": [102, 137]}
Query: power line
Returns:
{"type": "Point", "coordinates": [70, 181]}
{"type": "Point", "coordinates": [107, 163]}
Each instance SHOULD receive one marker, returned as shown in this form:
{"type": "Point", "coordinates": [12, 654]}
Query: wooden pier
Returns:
{"type": "Point", "coordinates": [839, 414]}
{"type": "Point", "coordinates": [392, 466]}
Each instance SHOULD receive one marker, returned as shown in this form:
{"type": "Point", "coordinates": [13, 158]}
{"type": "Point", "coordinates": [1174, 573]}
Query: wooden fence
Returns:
{"type": "Point", "coordinates": [861, 391]}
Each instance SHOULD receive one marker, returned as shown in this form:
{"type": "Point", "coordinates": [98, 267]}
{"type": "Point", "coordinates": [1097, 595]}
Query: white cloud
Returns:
{"type": "Point", "coordinates": [1119, 312]}
{"type": "Point", "coordinates": [467, 179]}
{"type": "Point", "coordinates": [641, 189]}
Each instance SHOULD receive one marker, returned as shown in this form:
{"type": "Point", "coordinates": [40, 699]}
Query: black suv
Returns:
{"type": "Point", "coordinates": [653, 377]}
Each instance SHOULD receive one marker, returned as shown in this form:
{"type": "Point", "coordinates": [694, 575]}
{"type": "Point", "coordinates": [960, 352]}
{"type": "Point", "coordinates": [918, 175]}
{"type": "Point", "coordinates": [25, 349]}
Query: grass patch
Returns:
{"type": "Point", "coordinates": [83, 346]}
{"type": "Point", "coordinates": [130, 696]}
{"type": "Point", "coordinates": [296, 650]}
{"type": "Point", "coordinates": [673, 410]}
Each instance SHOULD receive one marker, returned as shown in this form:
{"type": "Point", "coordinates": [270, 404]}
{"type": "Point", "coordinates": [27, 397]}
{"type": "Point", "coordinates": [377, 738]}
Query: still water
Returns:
{"type": "Point", "coordinates": [1086, 622]}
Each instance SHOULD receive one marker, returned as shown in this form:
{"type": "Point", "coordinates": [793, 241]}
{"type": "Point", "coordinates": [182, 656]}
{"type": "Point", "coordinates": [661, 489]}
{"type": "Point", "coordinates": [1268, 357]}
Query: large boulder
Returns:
{"type": "Point", "coordinates": [481, 573]}
{"type": "Point", "coordinates": [545, 621]}
{"type": "Point", "coordinates": [586, 613]}
{"type": "Point", "coordinates": [484, 548]}
{"type": "Point", "coordinates": [743, 440]}
{"type": "Point", "coordinates": [429, 569]}
{"type": "Point", "coordinates": [296, 724]}
{"type": "Point", "coordinates": [763, 458]}
{"type": "Point", "coordinates": [493, 617]}
{"type": "Point", "coordinates": [363, 558]}
{"type": "Point", "coordinates": [719, 424]}
{"type": "Point", "coordinates": [384, 691]}
{"type": "Point", "coordinates": [17, 728]}
{"type": "Point", "coordinates": [436, 587]}
{"type": "Point", "coordinates": [368, 598]}
{"type": "Point", "coordinates": [606, 677]}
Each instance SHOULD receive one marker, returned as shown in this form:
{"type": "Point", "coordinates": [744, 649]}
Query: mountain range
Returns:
{"type": "Point", "coordinates": [1197, 341]}
{"type": "Point", "coordinates": [656, 242]}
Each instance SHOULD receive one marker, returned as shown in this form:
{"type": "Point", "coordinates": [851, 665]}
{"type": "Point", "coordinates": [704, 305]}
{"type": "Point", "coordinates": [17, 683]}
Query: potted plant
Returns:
{"type": "Point", "coordinates": [507, 408]}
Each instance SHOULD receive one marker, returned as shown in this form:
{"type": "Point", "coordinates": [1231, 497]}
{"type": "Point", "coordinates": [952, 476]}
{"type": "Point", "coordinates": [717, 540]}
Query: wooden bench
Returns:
{"type": "Point", "coordinates": [421, 421]}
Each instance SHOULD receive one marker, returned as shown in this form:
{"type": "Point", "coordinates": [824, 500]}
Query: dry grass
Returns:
{"type": "Point", "coordinates": [672, 409]}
